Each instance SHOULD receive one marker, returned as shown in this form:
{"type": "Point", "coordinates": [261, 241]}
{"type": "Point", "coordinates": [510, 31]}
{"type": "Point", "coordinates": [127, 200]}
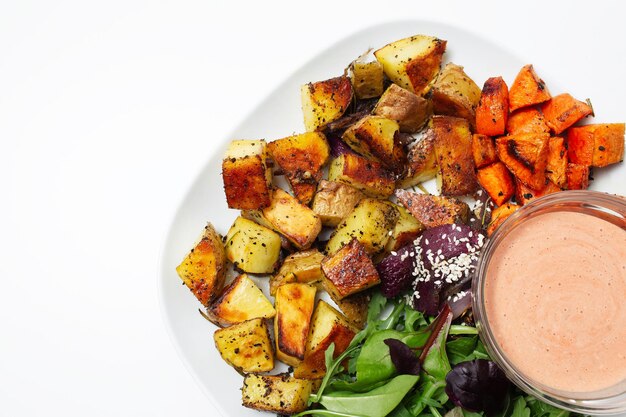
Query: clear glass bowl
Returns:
{"type": "Point", "coordinates": [608, 207]}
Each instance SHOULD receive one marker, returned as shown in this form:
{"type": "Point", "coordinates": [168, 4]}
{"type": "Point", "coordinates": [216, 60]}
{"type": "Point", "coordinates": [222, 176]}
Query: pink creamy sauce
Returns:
{"type": "Point", "coordinates": [555, 298]}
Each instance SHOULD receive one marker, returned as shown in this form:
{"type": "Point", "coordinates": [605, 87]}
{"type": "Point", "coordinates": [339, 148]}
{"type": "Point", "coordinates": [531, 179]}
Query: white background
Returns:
{"type": "Point", "coordinates": [107, 112]}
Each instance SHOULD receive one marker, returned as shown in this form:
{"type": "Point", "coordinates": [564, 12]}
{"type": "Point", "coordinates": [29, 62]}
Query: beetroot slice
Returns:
{"type": "Point", "coordinates": [395, 271]}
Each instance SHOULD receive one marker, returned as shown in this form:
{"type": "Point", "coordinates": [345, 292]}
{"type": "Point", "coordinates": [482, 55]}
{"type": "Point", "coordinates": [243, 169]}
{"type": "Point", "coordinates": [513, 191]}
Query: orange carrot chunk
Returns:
{"type": "Point", "coordinates": [563, 110]}
{"type": "Point", "coordinates": [524, 195]}
{"type": "Point", "coordinates": [497, 181]}
{"type": "Point", "coordinates": [484, 150]}
{"type": "Point", "coordinates": [526, 156]}
{"type": "Point", "coordinates": [577, 177]}
{"type": "Point", "coordinates": [526, 120]}
{"type": "Point", "coordinates": [597, 145]}
{"type": "Point", "coordinates": [527, 89]}
{"type": "Point", "coordinates": [557, 161]}
{"type": "Point", "coordinates": [493, 108]}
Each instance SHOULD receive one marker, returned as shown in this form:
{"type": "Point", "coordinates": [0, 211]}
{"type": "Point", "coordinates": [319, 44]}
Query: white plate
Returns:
{"type": "Point", "coordinates": [279, 115]}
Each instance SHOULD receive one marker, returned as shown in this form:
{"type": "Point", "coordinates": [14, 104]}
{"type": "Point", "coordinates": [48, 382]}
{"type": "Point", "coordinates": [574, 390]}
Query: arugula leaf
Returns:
{"type": "Point", "coordinates": [541, 409]}
{"type": "Point", "coordinates": [519, 408]}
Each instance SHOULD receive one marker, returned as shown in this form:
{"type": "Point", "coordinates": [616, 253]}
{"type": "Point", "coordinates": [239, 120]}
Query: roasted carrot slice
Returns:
{"type": "Point", "coordinates": [526, 156]}
{"type": "Point", "coordinates": [557, 161]}
{"type": "Point", "coordinates": [526, 120]}
{"type": "Point", "coordinates": [484, 150]}
{"type": "Point", "coordinates": [524, 195]}
{"type": "Point", "coordinates": [493, 108]}
{"type": "Point", "coordinates": [527, 89]}
{"type": "Point", "coordinates": [598, 145]}
{"type": "Point", "coordinates": [577, 177]}
{"type": "Point", "coordinates": [497, 181]}
{"type": "Point", "coordinates": [563, 110]}
{"type": "Point", "coordinates": [499, 215]}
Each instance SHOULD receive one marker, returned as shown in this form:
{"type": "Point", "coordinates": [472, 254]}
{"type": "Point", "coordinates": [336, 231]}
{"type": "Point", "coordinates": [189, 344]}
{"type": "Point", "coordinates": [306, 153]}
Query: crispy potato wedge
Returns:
{"type": "Point", "coordinates": [368, 176]}
{"type": "Point", "coordinates": [241, 300]}
{"type": "Point", "coordinates": [375, 138]}
{"type": "Point", "coordinates": [493, 109]}
{"type": "Point", "coordinates": [527, 89]}
{"type": "Point", "coordinates": [303, 267]}
{"type": "Point", "coordinates": [432, 210]}
{"type": "Point", "coordinates": [252, 247]}
{"type": "Point", "coordinates": [247, 177]}
{"type": "Point", "coordinates": [349, 270]}
{"type": "Point", "coordinates": [577, 176]}
{"type": "Point", "coordinates": [408, 109]}
{"type": "Point", "coordinates": [499, 215]}
{"type": "Point", "coordinates": [524, 194]}
{"type": "Point", "coordinates": [497, 181]}
{"type": "Point", "coordinates": [294, 305]}
{"type": "Point", "coordinates": [287, 216]}
{"type": "Point", "coordinates": [246, 346]}
{"type": "Point", "coordinates": [370, 222]}
{"type": "Point", "coordinates": [455, 94]}
{"type": "Point", "coordinates": [327, 326]}
{"type": "Point", "coordinates": [526, 156]}
{"type": "Point", "coordinates": [282, 393]}
{"type": "Point", "coordinates": [412, 63]}
{"type": "Point", "coordinates": [563, 111]}
{"type": "Point", "coordinates": [483, 150]}
{"type": "Point", "coordinates": [334, 201]}
{"type": "Point", "coordinates": [597, 145]}
{"type": "Point", "coordinates": [422, 162]}
{"type": "Point", "coordinates": [203, 268]}
{"type": "Point", "coordinates": [301, 158]}
{"type": "Point", "coordinates": [453, 149]}
{"type": "Point", "coordinates": [367, 78]}
{"type": "Point", "coordinates": [406, 230]}
{"type": "Point", "coordinates": [526, 120]}
{"type": "Point", "coordinates": [325, 101]}
{"type": "Point", "coordinates": [557, 161]}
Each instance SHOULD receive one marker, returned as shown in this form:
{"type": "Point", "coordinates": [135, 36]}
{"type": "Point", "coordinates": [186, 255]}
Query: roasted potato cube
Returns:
{"type": "Point", "coordinates": [577, 177]}
{"type": "Point", "coordinates": [407, 229]}
{"type": "Point", "coordinates": [287, 216]}
{"type": "Point", "coordinates": [247, 177]}
{"type": "Point", "coordinates": [455, 94]}
{"type": "Point", "coordinates": [241, 300]}
{"type": "Point", "coordinates": [334, 201]}
{"type": "Point", "coordinates": [203, 268]}
{"type": "Point", "coordinates": [499, 215]}
{"type": "Point", "coordinates": [557, 161]}
{"type": "Point", "coordinates": [354, 307]}
{"type": "Point", "coordinates": [563, 111]}
{"type": "Point", "coordinates": [497, 181]}
{"type": "Point", "coordinates": [367, 78]}
{"type": "Point", "coordinates": [325, 101]}
{"type": "Point", "coordinates": [375, 138]}
{"type": "Point", "coordinates": [301, 157]}
{"type": "Point", "coordinates": [370, 222]}
{"type": "Point", "coordinates": [368, 176]}
{"type": "Point", "coordinates": [527, 89]}
{"type": "Point", "coordinates": [526, 120]}
{"type": "Point", "coordinates": [422, 162]}
{"type": "Point", "coordinates": [303, 267]}
{"type": "Point", "coordinates": [282, 394]}
{"type": "Point", "coordinates": [493, 109]}
{"type": "Point", "coordinates": [412, 63]}
{"type": "Point", "coordinates": [252, 247]}
{"type": "Point", "coordinates": [432, 210]}
{"type": "Point", "coordinates": [246, 346]}
{"type": "Point", "coordinates": [597, 145]}
{"type": "Point", "coordinates": [408, 109]}
{"type": "Point", "coordinates": [327, 326]}
{"type": "Point", "coordinates": [526, 156]}
{"type": "Point", "coordinates": [294, 305]}
{"type": "Point", "coordinates": [349, 270]}
{"type": "Point", "coordinates": [524, 194]}
{"type": "Point", "coordinates": [453, 149]}
{"type": "Point", "coordinates": [483, 150]}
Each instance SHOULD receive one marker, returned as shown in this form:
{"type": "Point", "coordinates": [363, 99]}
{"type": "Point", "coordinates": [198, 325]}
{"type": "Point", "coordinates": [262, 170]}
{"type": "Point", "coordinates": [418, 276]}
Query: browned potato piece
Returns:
{"type": "Point", "coordinates": [294, 305]}
{"type": "Point", "coordinates": [349, 270]}
{"type": "Point", "coordinates": [408, 109]}
{"type": "Point", "coordinates": [301, 157]}
{"type": "Point", "coordinates": [246, 346]}
{"type": "Point", "coordinates": [354, 307]}
{"type": "Point", "coordinates": [282, 394]}
{"type": "Point", "coordinates": [241, 300]}
{"type": "Point", "coordinates": [453, 149]}
{"type": "Point", "coordinates": [368, 176]}
{"type": "Point", "coordinates": [412, 63]}
{"type": "Point", "coordinates": [287, 216]}
{"type": "Point", "coordinates": [367, 78]}
{"type": "Point", "coordinates": [456, 94]}
{"type": "Point", "coordinates": [407, 229]}
{"type": "Point", "coordinates": [334, 201]}
{"type": "Point", "coordinates": [303, 267]}
{"type": "Point", "coordinates": [422, 162]}
{"type": "Point", "coordinates": [375, 138]}
{"type": "Point", "coordinates": [203, 268]}
{"type": "Point", "coordinates": [325, 101]}
{"type": "Point", "coordinates": [252, 247]}
{"type": "Point", "coordinates": [433, 210]}
{"type": "Point", "coordinates": [247, 177]}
